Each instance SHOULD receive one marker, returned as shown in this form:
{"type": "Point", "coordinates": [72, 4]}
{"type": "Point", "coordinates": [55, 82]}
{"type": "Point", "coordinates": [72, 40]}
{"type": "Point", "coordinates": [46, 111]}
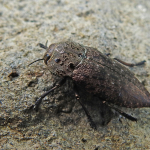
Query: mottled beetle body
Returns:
{"type": "Point", "coordinates": [96, 74]}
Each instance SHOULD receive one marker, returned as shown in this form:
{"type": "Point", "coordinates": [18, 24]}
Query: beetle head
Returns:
{"type": "Point", "coordinates": [62, 58]}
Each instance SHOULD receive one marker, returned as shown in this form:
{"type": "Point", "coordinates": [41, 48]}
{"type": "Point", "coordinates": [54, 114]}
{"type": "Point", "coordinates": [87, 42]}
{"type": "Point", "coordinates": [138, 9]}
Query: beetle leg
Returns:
{"type": "Point", "coordinates": [107, 54]}
{"type": "Point", "coordinates": [130, 64]}
{"type": "Point", "coordinates": [92, 124]}
{"type": "Point", "coordinates": [123, 113]}
{"type": "Point", "coordinates": [38, 102]}
{"type": "Point", "coordinates": [42, 45]}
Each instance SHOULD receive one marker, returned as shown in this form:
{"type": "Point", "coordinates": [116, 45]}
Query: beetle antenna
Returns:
{"type": "Point", "coordinates": [35, 61]}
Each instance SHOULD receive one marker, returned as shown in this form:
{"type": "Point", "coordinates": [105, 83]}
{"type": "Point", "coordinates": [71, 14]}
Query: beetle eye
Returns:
{"type": "Point", "coordinates": [46, 58]}
{"type": "Point", "coordinates": [57, 60]}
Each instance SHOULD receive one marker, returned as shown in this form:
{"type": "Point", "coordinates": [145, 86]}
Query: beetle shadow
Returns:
{"type": "Point", "coordinates": [62, 105]}
{"type": "Point", "coordinates": [100, 113]}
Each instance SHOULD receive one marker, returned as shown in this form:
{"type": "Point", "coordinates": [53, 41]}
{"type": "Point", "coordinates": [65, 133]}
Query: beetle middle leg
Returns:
{"type": "Point", "coordinates": [92, 124]}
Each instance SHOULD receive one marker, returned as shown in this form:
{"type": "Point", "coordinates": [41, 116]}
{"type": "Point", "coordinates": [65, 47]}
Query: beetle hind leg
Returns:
{"type": "Point", "coordinates": [130, 64]}
{"type": "Point", "coordinates": [123, 113]}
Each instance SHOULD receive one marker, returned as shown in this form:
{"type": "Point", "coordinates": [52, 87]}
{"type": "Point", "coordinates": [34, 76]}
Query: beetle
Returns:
{"type": "Point", "coordinates": [96, 73]}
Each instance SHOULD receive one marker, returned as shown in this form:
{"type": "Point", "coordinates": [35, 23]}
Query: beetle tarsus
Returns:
{"type": "Point", "coordinates": [140, 63]}
{"type": "Point", "coordinates": [107, 54]}
{"type": "Point", "coordinates": [123, 113]}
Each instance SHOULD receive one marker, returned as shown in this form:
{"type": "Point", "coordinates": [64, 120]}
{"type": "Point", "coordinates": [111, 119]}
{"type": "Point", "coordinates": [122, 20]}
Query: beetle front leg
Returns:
{"type": "Point", "coordinates": [92, 124]}
{"type": "Point", "coordinates": [42, 45]}
{"type": "Point", "coordinates": [38, 102]}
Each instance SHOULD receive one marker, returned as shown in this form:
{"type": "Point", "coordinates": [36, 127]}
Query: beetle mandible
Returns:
{"type": "Point", "coordinates": [97, 74]}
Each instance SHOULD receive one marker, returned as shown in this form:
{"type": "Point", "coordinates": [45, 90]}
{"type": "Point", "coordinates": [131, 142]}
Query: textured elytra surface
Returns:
{"type": "Point", "coordinates": [111, 81]}
{"type": "Point", "coordinates": [119, 27]}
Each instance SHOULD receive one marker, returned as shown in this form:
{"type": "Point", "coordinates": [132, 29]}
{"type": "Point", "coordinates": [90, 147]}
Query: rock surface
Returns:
{"type": "Point", "coordinates": [119, 27]}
